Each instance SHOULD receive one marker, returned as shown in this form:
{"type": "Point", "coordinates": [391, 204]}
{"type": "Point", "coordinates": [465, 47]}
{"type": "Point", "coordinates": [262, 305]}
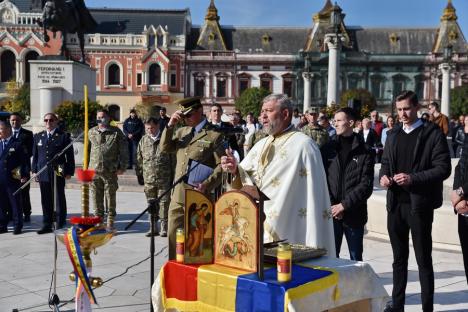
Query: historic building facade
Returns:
{"type": "Point", "coordinates": [157, 56]}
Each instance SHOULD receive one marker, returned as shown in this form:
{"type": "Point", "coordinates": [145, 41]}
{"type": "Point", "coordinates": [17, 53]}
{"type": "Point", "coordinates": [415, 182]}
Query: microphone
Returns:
{"type": "Point", "coordinates": [229, 130]}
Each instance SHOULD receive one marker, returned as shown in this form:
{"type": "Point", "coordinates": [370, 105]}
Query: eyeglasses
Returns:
{"type": "Point", "coordinates": [49, 120]}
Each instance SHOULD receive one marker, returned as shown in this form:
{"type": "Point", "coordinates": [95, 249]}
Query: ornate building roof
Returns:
{"type": "Point", "coordinates": [210, 35]}
{"type": "Point", "coordinates": [132, 21]}
{"type": "Point", "coordinates": [449, 32]}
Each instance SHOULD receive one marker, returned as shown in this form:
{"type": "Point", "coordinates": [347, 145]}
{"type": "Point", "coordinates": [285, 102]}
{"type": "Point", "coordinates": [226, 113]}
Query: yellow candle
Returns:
{"type": "Point", "coordinates": [284, 262]}
{"type": "Point", "coordinates": [180, 245]}
{"type": "Point", "coordinates": [86, 126]}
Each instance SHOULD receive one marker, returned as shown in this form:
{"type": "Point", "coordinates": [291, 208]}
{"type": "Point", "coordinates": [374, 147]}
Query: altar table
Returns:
{"type": "Point", "coordinates": [323, 284]}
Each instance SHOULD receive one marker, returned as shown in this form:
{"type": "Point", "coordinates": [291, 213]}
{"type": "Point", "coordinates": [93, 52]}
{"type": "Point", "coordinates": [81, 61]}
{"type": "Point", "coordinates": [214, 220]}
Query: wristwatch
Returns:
{"type": "Point", "coordinates": [460, 192]}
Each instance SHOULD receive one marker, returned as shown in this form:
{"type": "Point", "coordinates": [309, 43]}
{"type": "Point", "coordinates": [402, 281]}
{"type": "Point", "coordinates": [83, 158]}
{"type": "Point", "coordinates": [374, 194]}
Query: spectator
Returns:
{"type": "Point", "coordinates": [357, 126]}
{"type": "Point", "coordinates": [163, 117]}
{"type": "Point", "coordinates": [377, 124]}
{"type": "Point", "coordinates": [415, 162]}
{"type": "Point", "coordinates": [460, 137]}
{"type": "Point", "coordinates": [250, 129]}
{"type": "Point", "coordinates": [133, 129]}
{"type": "Point", "coordinates": [325, 123]}
{"type": "Point", "coordinates": [456, 143]}
{"type": "Point", "coordinates": [438, 118]}
{"type": "Point", "coordinates": [390, 124]}
{"type": "Point", "coordinates": [350, 183]}
{"type": "Point", "coordinates": [371, 139]}
{"type": "Point", "coordinates": [459, 198]}
{"type": "Point", "coordinates": [240, 137]}
{"type": "Point", "coordinates": [296, 118]}
{"type": "Point", "coordinates": [215, 114]}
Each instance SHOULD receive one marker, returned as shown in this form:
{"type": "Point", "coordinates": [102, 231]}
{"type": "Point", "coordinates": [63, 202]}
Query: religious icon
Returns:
{"type": "Point", "coordinates": [236, 231]}
{"type": "Point", "coordinates": [198, 228]}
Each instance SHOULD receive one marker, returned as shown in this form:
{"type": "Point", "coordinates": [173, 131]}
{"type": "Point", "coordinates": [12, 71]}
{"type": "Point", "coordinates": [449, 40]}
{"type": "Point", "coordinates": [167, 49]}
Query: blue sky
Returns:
{"type": "Point", "coordinates": [375, 13]}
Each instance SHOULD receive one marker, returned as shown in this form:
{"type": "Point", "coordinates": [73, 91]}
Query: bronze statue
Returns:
{"type": "Point", "coordinates": [67, 16]}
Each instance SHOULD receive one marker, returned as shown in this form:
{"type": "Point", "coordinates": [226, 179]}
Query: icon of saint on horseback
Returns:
{"type": "Point", "coordinates": [68, 17]}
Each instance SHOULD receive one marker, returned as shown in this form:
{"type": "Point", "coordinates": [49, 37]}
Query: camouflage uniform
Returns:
{"type": "Point", "coordinates": [204, 147]}
{"type": "Point", "coordinates": [317, 133]}
{"type": "Point", "coordinates": [157, 169]}
{"type": "Point", "coordinates": [108, 154]}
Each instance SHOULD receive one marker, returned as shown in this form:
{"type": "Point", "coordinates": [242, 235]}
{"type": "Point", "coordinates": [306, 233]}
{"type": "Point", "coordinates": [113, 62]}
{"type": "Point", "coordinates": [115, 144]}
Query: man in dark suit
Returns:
{"type": "Point", "coordinates": [415, 162]}
{"type": "Point", "coordinates": [372, 139]}
{"type": "Point", "coordinates": [26, 138]}
{"type": "Point", "coordinates": [14, 168]}
{"type": "Point", "coordinates": [215, 119]}
{"type": "Point", "coordinates": [47, 144]}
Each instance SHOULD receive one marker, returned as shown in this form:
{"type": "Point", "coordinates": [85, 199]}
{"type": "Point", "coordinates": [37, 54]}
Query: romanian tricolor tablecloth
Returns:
{"type": "Point", "coordinates": [218, 288]}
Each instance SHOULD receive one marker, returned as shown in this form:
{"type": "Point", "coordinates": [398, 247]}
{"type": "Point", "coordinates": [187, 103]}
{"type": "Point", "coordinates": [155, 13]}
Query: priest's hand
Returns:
{"type": "Point", "coordinates": [229, 162]}
{"type": "Point", "coordinates": [337, 211]}
{"type": "Point", "coordinates": [200, 187]}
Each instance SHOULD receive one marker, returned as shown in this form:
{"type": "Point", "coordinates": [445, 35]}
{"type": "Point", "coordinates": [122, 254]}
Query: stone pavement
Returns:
{"type": "Point", "coordinates": [26, 263]}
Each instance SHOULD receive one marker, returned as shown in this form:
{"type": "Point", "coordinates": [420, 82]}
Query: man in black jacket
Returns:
{"type": "Point", "coordinates": [134, 129]}
{"type": "Point", "coordinates": [26, 138]}
{"type": "Point", "coordinates": [459, 198]}
{"type": "Point", "coordinates": [350, 183]}
{"type": "Point", "coordinates": [415, 162]}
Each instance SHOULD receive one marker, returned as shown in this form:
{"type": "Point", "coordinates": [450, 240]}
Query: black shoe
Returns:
{"type": "Point", "coordinates": [27, 219]}
{"type": "Point", "coordinates": [149, 234]}
{"type": "Point", "coordinates": [3, 231]}
{"type": "Point", "coordinates": [45, 230]}
{"type": "Point", "coordinates": [390, 308]}
{"type": "Point", "coordinates": [17, 231]}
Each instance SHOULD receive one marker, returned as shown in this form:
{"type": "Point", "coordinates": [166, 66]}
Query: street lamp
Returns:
{"type": "Point", "coordinates": [333, 41]}
{"type": "Point", "coordinates": [445, 68]}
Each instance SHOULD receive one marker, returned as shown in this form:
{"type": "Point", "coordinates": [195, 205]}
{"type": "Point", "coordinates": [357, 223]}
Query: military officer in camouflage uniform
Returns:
{"type": "Point", "coordinates": [314, 130]}
{"type": "Point", "coordinates": [157, 169]}
{"type": "Point", "coordinates": [197, 141]}
{"type": "Point", "coordinates": [108, 157]}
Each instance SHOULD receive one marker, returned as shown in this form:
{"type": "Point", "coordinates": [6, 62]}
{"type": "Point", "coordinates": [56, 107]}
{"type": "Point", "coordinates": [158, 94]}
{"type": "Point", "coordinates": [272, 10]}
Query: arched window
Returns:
{"type": "Point", "coordinates": [243, 82]}
{"type": "Point", "coordinates": [266, 81]}
{"type": "Point", "coordinates": [114, 112]}
{"type": "Point", "coordinates": [8, 66]}
{"type": "Point", "coordinates": [113, 74]}
{"type": "Point", "coordinates": [154, 74]}
{"type": "Point", "coordinates": [199, 85]}
{"type": "Point", "coordinates": [399, 84]}
{"type": "Point", "coordinates": [31, 56]}
{"type": "Point", "coordinates": [419, 86]}
{"type": "Point", "coordinates": [288, 84]}
{"type": "Point", "coordinates": [377, 86]}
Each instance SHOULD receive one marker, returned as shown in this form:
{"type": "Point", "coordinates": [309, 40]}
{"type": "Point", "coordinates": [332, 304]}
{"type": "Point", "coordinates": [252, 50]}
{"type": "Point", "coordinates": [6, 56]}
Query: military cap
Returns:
{"type": "Point", "coordinates": [187, 105]}
{"type": "Point", "coordinates": [312, 110]}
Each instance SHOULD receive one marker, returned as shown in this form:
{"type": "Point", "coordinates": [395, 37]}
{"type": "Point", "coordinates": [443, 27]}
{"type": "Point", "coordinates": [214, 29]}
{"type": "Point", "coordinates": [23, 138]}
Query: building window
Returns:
{"type": "Point", "coordinates": [8, 66]}
{"type": "Point", "coordinates": [419, 87]}
{"type": "Point", "coordinates": [139, 79]}
{"type": "Point", "coordinates": [114, 112]}
{"type": "Point", "coordinates": [199, 86]}
{"type": "Point", "coordinates": [160, 40]}
{"type": "Point", "coordinates": [377, 87]}
{"type": "Point", "coordinates": [113, 74]}
{"type": "Point", "coordinates": [353, 82]}
{"type": "Point", "coordinates": [154, 74]}
{"type": "Point", "coordinates": [266, 82]}
{"type": "Point", "coordinates": [288, 83]}
{"type": "Point", "coordinates": [243, 82]}
{"type": "Point", "coordinates": [399, 84]}
{"type": "Point", "coordinates": [221, 87]}
{"type": "Point", "coordinates": [173, 80]}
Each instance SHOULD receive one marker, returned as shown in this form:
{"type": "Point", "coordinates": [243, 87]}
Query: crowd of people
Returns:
{"type": "Point", "coordinates": [317, 171]}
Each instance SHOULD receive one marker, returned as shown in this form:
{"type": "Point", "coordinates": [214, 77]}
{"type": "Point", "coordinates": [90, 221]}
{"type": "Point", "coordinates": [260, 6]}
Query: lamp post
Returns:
{"type": "Point", "coordinates": [445, 68]}
{"type": "Point", "coordinates": [333, 41]}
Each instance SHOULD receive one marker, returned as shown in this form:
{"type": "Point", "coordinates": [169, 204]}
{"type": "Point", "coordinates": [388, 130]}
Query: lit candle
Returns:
{"type": "Point", "coordinates": [86, 126]}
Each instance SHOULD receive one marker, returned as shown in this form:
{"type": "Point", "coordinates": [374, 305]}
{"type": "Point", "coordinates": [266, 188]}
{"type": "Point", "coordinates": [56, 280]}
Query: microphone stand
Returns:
{"type": "Point", "coordinates": [151, 208]}
{"type": "Point", "coordinates": [54, 299]}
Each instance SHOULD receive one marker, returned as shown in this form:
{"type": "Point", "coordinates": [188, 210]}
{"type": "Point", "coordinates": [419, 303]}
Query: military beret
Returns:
{"type": "Point", "coordinates": [188, 104]}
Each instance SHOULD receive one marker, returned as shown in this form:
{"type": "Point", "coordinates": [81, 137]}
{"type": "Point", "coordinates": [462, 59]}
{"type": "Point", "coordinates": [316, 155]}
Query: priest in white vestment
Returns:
{"type": "Point", "coordinates": [287, 167]}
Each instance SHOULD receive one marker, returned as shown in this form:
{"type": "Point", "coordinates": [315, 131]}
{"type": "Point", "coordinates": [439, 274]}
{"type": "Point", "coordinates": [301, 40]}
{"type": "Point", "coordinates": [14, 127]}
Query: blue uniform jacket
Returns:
{"type": "Point", "coordinates": [14, 163]}
{"type": "Point", "coordinates": [45, 149]}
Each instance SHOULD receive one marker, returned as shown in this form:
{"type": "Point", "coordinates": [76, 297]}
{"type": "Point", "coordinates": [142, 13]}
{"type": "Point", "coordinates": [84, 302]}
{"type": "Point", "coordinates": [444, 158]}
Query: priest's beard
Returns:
{"type": "Point", "coordinates": [272, 127]}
